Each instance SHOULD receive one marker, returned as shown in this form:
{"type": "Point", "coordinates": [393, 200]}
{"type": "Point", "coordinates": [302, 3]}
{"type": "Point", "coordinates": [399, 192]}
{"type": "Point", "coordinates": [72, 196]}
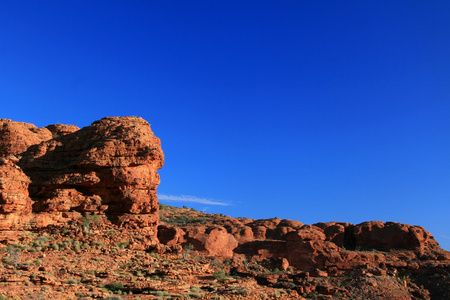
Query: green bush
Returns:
{"type": "Point", "coordinates": [277, 271]}
{"type": "Point", "coordinates": [88, 220]}
{"type": "Point", "coordinates": [71, 281]}
{"type": "Point", "coordinates": [115, 287]}
{"type": "Point", "coordinates": [122, 245]}
{"type": "Point", "coordinates": [219, 274]}
{"type": "Point", "coordinates": [195, 289]}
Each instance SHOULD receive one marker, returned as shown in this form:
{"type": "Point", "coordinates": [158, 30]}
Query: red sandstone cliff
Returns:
{"type": "Point", "coordinates": [107, 168]}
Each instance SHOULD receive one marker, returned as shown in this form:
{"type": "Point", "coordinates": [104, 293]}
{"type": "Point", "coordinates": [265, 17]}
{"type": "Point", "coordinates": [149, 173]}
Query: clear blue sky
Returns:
{"type": "Point", "coordinates": [307, 110]}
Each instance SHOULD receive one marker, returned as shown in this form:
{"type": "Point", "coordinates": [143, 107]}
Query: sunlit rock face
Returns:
{"type": "Point", "coordinates": [107, 168]}
{"type": "Point", "coordinates": [15, 204]}
{"type": "Point", "coordinates": [16, 137]}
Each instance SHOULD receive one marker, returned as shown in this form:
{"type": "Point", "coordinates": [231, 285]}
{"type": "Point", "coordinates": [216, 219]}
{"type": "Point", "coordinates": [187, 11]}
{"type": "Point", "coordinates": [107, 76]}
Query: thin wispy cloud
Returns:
{"type": "Point", "coordinates": [185, 198]}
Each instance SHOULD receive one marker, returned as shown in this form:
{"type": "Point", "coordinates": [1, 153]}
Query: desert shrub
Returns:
{"type": "Point", "coordinates": [195, 289]}
{"type": "Point", "coordinates": [163, 294]}
{"type": "Point", "coordinates": [155, 277]}
{"type": "Point", "coordinates": [196, 292]}
{"type": "Point", "coordinates": [39, 243]}
{"type": "Point", "coordinates": [313, 295]}
{"type": "Point", "coordinates": [184, 219]}
{"type": "Point", "coordinates": [15, 251]}
{"type": "Point", "coordinates": [164, 207]}
{"type": "Point", "coordinates": [76, 246]}
{"type": "Point", "coordinates": [63, 244]}
{"type": "Point", "coordinates": [71, 281]}
{"type": "Point", "coordinates": [122, 245]}
{"type": "Point", "coordinates": [38, 262]}
{"type": "Point", "coordinates": [219, 274]}
{"type": "Point", "coordinates": [186, 250]}
{"type": "Point", "coordinates": [115, 287]}
{"type": "Point", "coordinates": [241, 291]}
{"type": "Point", "coordinates": [277, 271]}
{"type": "Point", "coordinates": [88, 220]}
{"type": "Point", "coordinates": [97, 243]}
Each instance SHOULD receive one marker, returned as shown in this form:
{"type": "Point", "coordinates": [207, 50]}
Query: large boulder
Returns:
{"type": "Point", "coordinates": [242, 233]}
{"type": "Point", "coordinates": [171, 235]}
{"type": "Point", "coordinates": [214, 240]}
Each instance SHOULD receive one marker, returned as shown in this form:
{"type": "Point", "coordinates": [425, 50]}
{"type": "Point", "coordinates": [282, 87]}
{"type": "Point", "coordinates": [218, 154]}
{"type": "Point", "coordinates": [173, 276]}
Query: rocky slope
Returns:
{"type": "Point", "coordinates": [405, 257]}
{"type": "Point", "coordinates": [79, 219]}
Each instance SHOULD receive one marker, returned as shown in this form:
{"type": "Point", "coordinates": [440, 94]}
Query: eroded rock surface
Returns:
{"type": "Point", "coordinates": [334, 248]}
{"type": "Point", "coordinates": [214, 240]}
{"type": "Point", "coordinates": [107, 168]}
{"type": "Point", "coordinates": [384, 236]}
{"type": "Point", "coordinates": [16, 137]}
{"type": "Point", "coordinates": [15, 205]}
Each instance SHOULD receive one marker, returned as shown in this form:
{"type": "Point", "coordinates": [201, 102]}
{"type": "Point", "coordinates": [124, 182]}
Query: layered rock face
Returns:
{"type": "Point", "coordinates": [335, 246]}
{"type": "Point", "coordinates": [15, 205]}
{"type": "Point", "coordinates": [16, 137]}
{"type": "Point", "coordinates": [107, 168]}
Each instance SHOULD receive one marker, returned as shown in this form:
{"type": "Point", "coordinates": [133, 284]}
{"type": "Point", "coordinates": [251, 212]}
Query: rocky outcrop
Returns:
{"type": "Point", "coordinates": [16, 137]}
{"type": "Point", "coordinates": [385, 236]}
{"type": "Point", "coordinates": [61, 129]}
{"type": "Point", "coordinates": [107, 168]}
{"type": "Point", "coordinates": [15, 205]}
{"type": "Point", "coordinates": [333, 248]}
{"type": "Point", "coordinates": [215, 240]}
{"type": "Point", "coordinates": [273, 229]}
{"type": "Point", "coordinates": [171, 235]}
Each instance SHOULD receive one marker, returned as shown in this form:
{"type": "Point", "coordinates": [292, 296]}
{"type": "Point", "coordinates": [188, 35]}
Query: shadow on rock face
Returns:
{"type": "Point", "coordinates": [107, 168]}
